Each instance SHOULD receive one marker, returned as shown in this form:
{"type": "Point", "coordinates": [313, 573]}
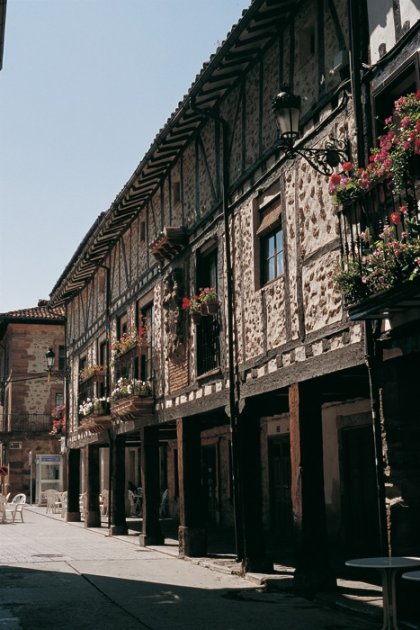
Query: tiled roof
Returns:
{"type": "Point", "coordinates": [37, 312]}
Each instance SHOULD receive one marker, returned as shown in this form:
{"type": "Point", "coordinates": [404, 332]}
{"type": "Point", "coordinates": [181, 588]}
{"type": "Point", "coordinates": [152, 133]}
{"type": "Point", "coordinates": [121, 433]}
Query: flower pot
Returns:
{"type": "Point", "coordinates": [204, 310]}
{"type": "Point", "coordinates": [196, 317]}
{"type": "Point", "coordinates": [212, 307]}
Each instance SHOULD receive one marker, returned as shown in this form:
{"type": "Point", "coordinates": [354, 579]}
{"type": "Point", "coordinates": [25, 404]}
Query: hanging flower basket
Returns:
{"type": "Point", "coordinates": [201, 305]}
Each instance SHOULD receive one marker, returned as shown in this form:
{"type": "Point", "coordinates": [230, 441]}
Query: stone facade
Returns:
{"type": "Point", "coordinates": [28, 396]}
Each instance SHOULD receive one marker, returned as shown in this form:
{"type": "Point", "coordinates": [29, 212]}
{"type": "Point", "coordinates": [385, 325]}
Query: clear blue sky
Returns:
{"type": "Point", "coordinates": [85, 87]}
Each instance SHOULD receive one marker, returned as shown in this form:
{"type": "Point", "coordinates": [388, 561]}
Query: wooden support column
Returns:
{"type": "Point", "coordinates": [118, 525]}
{"type": "Point", "coordinates": [151, 533]}
{"type": "Point", "coordinates": [73, 485]}
{"type": "Point", "coordinates": [91, 474]}
{"type": "Point", "coordinates": [255, 559]}
{"type": "Point", "coordinates": [192, 532]}
{"type": "Point", "coordinates": [313, 572]}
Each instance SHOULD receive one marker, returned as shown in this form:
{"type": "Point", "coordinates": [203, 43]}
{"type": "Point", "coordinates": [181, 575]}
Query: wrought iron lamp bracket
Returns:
{"type": "Point", "coordinates": [323, 160]}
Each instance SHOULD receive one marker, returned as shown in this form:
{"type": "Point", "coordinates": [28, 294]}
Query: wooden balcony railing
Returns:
{"type": "Point", "coordinates": [25, 422]}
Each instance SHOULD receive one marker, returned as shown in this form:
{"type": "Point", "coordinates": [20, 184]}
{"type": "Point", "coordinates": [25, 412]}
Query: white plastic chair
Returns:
{"type": "Point", "coordinates": [104, 502]}
{"type": "Point", "coordinates": [15, 506]}
{"type": "Point", "coordinates": [51, 497]}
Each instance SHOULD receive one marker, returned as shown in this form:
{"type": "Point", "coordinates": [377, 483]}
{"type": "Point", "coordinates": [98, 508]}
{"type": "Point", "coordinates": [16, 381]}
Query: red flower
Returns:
{"type": "Point", "coordinates": [186, 303]}
{"type": "Point", "coordinates": [347, 167]}
{"type": "Point", "coordinates": [403, 209]}
{"type": "Point", "coordinates": [335, 178]}
{"type": "Point", "coordinates": [395, 218]}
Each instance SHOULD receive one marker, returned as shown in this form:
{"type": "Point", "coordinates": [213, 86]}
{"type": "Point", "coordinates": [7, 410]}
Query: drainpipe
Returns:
{"type": "Point", "coordinates": [372, 360]}
{"type": "Point", "coordinates": [233, 402]}
{"type": "Point", "coordinates": [355, 71]}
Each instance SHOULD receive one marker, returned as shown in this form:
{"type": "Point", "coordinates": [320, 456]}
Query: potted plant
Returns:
{"type": "Point", "coordinates": [58, 427]}
{"type": "Point", "coordinates": [209, 299]}
{"type": "Point", "coordinates": [91, 371]}
{"type": "Point", "coordinates": [386, 262]}
{"type": "Point", "coordinates": [131, 397]}
{"type": "Point", "coordinates": [193, 306]}
{"type": "Point", "coordinates": [129, 340]}
{"type": "Point", "coordinates": [391, 161]}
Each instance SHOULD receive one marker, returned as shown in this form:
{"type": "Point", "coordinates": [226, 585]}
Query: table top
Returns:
{"type": "Point", "coordinates": [411, 575]}
{"type": "Point", "coordinates": [392, 562]}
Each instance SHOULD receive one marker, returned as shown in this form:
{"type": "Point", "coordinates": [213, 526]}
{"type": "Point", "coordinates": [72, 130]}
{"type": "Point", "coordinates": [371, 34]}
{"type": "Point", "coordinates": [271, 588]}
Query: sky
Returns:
{"type": "Point", "coordinates": [85, 87]}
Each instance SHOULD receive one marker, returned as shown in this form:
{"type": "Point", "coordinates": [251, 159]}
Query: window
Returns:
{"type": "Point", "coordinates": [61, 358]}
{"type": "Point", "coordinates": [208, 352]}
{"type": "Point", "coordinates": [122, 325]}
{"type": "Point", "coordinates": [143, 231]}
{"type": "Point", "coordinates": [85, 387]}
{"type": "Point", "coordinates": [307, 42]}
{"type": "Point", "coordinates": [269, 256]}
{"type": "Point", "coordinates": [59, 399]}
{"type": "Point", "coordinates": [144, 368]}
{"type": "Point", "coordinates": [272, 255]}
{"type": "Point", "coordinates": [405, 82]}
{"type": "Point", "coordinates": [103, 360]}
{"type": "Point", "coordinates": [176, 192]}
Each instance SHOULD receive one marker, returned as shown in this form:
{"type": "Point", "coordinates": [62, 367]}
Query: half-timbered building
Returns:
{"type": "Point", "coordinates": [212, 359]}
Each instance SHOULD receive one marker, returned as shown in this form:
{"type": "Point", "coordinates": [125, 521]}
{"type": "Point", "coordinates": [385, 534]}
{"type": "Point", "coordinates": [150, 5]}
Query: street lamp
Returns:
{"type": "Point", "coordinates": [286, 108]}
{"type": "Point", "coordinates": [50, 356]}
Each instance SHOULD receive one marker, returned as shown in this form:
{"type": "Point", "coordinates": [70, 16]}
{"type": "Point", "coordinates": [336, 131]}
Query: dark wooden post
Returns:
{"type": "Point", "coordinates": [313, 571]}
{"type": "Point", "coordinates": [73, 485]}
{"type": "Point", "coordinates": [91, 474]}
{"type": "Point", "coordinates": [151, 533]}
{"type": "Point", "coordinates": [118, 489]}
{"type": "Point", "coordinates": [192, 532]}
{"type": "Point", "coordinates": [255, 558]}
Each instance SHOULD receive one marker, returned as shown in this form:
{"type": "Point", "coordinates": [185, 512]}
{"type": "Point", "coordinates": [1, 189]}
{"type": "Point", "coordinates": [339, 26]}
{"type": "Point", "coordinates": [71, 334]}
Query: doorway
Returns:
{"type": "Point", "coordinates": [358, 488]}
{"type": "Point", "coordinates": [209, 483]}
{"type": "Point", "coordinates": [281, 515]}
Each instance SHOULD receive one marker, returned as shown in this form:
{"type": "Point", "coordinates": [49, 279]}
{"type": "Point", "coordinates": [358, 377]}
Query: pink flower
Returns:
{"type": "Point", "coordinates": [405, 122]}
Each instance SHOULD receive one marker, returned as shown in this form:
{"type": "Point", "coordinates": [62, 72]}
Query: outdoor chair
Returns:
{"type": "Point", "coordinates": [52, 497]}
{"type": "Point", "coordinates": [104, 502]}
{"type": "Point", "coordinates": [15, 506]}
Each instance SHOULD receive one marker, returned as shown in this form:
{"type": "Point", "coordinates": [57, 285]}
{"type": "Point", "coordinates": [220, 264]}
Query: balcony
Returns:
{"type": "Point", "coordinates": [380, 248]}
{"type": "Point", "coordinates": [170, 242]}
{"type": "Point", "coordinates": [25, 423]}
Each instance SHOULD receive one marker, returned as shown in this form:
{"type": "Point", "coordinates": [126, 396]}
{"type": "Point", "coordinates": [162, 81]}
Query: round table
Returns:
{"type": "Point", "coordinates": [412, 575]}
{"type": "Point", "coordinates": [389, 567]}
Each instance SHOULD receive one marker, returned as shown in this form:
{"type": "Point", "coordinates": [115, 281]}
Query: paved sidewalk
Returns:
{"type": "Point", "coordinates": [57, 574]}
